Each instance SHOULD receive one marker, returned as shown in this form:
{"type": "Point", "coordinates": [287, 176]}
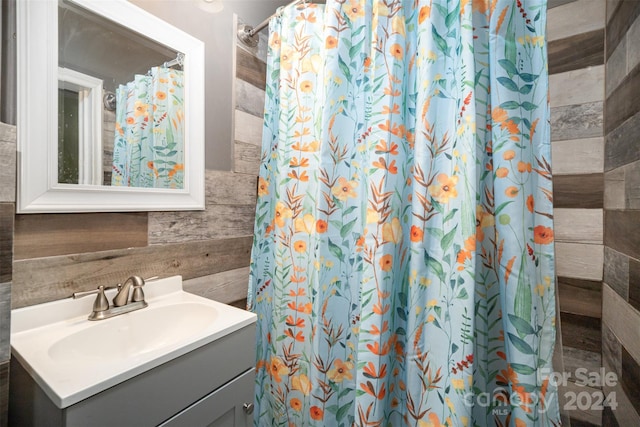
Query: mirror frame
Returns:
{"type": "Point", "coordinates": [37, 115]}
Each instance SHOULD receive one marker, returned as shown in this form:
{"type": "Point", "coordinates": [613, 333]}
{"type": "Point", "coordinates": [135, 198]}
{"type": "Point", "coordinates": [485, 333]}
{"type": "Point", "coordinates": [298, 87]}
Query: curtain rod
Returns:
{"type": "Point", "coordinates": [178, 61]}
{"type": "Point", "coordinates": [247, 34]}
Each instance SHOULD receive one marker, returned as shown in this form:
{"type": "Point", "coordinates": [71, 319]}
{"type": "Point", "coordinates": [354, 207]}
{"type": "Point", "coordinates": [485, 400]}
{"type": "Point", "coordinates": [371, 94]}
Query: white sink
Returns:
{"type": "Point", "coordinates": [73, 358]}
{"type": "Point", "coordinates": [141, 332]}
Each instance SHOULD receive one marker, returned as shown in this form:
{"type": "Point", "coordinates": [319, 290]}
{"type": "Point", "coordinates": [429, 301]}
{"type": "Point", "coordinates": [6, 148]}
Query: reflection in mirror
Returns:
{"type": "Point", "coordinates": [110, 109]}
{"type": "Point", "coordinates": [120, 105]}
{"type": "Point", "coordinates": [79, 125]}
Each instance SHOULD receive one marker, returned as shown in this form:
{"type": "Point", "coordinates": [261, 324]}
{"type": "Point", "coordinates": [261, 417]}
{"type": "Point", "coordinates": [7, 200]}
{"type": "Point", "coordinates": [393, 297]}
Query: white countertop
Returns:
{"type": "Point", "coordinates": [68, 373]}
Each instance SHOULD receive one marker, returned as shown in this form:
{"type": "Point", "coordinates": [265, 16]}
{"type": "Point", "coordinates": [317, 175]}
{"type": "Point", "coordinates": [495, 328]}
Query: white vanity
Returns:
{"type": "Point", "coordinates": [182, 361]}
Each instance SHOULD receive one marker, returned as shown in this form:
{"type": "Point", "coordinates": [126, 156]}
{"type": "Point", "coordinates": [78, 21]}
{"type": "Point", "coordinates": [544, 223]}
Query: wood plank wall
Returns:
{"type": "Point", "coordinates": [7, 212]}
{"type": "Point", "coordinates": [621, 289]}
{"type": "Point", "coordinates": [576, 86]}
{"type": "Point", "coordinates": [58, 254]}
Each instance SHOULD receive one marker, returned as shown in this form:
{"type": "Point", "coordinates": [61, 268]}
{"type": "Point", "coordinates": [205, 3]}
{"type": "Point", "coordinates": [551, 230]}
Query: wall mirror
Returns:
{"type": "Point", "coordinates": [110, 109]}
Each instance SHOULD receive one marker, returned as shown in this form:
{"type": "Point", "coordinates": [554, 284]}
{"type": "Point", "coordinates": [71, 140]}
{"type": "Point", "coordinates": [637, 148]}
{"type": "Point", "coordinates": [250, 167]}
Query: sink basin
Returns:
{"type": "Point", "coordinates": [131, 335]}
{"type": "Point", "coordinates": [72, 358]}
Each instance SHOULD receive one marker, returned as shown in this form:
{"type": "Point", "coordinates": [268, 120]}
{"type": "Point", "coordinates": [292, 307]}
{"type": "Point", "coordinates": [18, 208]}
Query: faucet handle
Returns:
{"type": "Point", "coordinates": [101, 303]}
{"type": "Point", "coordinates": [82, 294]}
{"type": "Point", "coordinates": [138, 293]}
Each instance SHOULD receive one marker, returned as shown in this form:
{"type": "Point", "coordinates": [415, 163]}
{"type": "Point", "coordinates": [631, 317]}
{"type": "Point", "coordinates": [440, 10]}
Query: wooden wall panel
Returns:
{"type": "Point", "coordinates": [228, 188]}
{"type": "Point", "coordinates": [578, 225]}
{"type": "Point", "coordinates": [249, 98]}
{"type": "Point", "coordinates": [248, 128]}
{"type": "Point", "coordinates": [251, 69]}
{"type": "Point", "coordinates": [5, 322]}
{"type": "Point", "coordinates": [230, 201]}
{"type": "Point", "coordinates": [7, 163]}
{"type": "Point", "coordinates": [614, 197]}
{"type": "Point", "coordinates": [41, 235]}
{"type": "Point", "coordinates": [579, 261]}
{"type": "Point", "coordinates": [608, 418]}
{"type": "Point", "coordinates": [622, 320]}
{"type": "Point", "coordinates": [7, 213]}
{"type": "Point", "coordinates": [616, 271]}
{"type": "Point", "coordinates": [622, 18]}
{"type": "Point", "coordinates": [47, 279]}
{"type": "Point", "coordinates": [578, 191]}
{"type": "Point", "coordinates": [4, 393]}
{"type": "Point", "coordinates": [633, 53]}
{"type": "Point", "coordinates": [227, 286]}
{"type": "Point", "coordinates": [634, 283]}
{"type": "Point", "coordinates": [578, 156]}
{"type": "Point", "coordinates": [612, 5]}
{"type": "Point", "coordinates": [573, 18]}
{"type": "Point", "coordinates": [620, 315]}
{"type": "Point", "coordinates": [625, 415]}
{"type": "Point", "coordinates": [622, 102]}
{"type": "Point", "coordinates": [616, 67]}
{"type": "Point", "coordinates": [576, 121]}
{"type": "Point", "coordinates": [621, 231]}
{"type": "Point", "coordinates": [576, 52]}
{"type": "Point", "coordinates": [631, 378]}
{"type": "Point", "coordinates": [580, 297]}
{"type": "Point", "coordinates": [247, 158]}
{"type": "Point", "coordinates": [577, 87]}
{"type": "Point", "coordinates": [587, 417]}
{"type": "Point", "coordinates": [632, 185]}
{"type": "Point", "coordinates": [621, 144]}
{"type": "Point", "coordinates": [622, 187]}
{"type": "Point", "coordinates": [576, 67]}
{"type": "Point", "coordinates": [575, 358]}
{"type": "Point", "coordinates": [218, 221]}
{"type": "Point", "coordinates": [611, 351]}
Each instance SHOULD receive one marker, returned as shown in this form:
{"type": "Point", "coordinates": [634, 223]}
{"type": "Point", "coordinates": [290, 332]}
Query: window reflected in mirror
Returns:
{"type": "Point", "coordinates": [68, 128]}
{"type": "Point", "coordinates": [120, 105]}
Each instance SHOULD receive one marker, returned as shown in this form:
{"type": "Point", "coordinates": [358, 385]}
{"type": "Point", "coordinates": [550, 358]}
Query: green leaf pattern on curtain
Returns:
{"type": "Point", "coordinates": [403, 261]}
{"type": "Point", "coordinates": [149, 131]}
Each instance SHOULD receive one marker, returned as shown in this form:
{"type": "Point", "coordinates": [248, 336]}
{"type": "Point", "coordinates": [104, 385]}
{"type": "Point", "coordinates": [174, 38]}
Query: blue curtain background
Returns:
{"type": "Point", "coordinates": [403, 260]}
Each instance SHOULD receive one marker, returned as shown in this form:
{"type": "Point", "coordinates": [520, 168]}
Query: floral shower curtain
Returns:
{"type": "Point", "coordinates": [403, 264]}
{"type": "Point", "coordinates": [149, 137]}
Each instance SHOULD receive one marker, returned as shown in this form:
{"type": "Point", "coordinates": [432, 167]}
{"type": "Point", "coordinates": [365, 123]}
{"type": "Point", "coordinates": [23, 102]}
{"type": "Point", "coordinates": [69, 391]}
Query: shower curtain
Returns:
{"type": "Point", "coordinates": [402, 267]}
{"type": "Point", "coordinates": [149, 135]}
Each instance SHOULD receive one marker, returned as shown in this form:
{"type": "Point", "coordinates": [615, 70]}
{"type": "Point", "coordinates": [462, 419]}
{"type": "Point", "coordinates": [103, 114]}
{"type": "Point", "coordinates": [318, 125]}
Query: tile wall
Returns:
{"type": "Point", "coordinates": [576, 36]}
{"type": "Point", "coordinates": [621, 289]}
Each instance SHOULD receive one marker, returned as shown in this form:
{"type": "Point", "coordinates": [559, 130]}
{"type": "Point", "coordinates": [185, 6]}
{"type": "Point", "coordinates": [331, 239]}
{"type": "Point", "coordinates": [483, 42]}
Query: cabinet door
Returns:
{"type": "Point", "coordinates": [225, 407]}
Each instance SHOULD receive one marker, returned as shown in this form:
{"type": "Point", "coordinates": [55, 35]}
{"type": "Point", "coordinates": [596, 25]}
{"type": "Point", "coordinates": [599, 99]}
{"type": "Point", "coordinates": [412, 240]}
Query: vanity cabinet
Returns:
{"type": "Point", "coordinates": [212, 385]}
{"type": "Point", "coordinates": [228, 406]}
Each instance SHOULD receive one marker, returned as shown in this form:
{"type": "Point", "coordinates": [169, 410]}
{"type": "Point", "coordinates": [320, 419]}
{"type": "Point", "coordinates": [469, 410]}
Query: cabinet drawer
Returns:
{"type": "Point", "coordinates": [223, 407]}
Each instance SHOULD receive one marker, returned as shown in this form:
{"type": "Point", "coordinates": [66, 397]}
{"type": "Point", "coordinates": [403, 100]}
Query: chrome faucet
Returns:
{"type": "Point", "coordinates": [121, 302]}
